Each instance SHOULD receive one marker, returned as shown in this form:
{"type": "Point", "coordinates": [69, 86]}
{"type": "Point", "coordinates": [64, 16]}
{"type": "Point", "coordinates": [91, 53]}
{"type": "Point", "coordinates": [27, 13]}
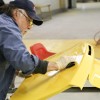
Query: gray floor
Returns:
{"type": "Point", "coordinates": [77, 96]}
{"type": "Point", "coordinates": [80, 23]}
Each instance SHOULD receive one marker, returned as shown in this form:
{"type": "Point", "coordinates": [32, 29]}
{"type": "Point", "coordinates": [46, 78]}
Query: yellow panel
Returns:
{"type": "Point", "coordinates": [79, 75]}
{"type": "Point", "coordinates": [94, 76]}
{"type": "Point", "coordinates": [41, 87]}
{"type": "Point", "coordinates": [84, 69]}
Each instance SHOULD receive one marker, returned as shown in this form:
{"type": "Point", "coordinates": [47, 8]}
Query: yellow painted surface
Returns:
{"type": "Point", "coordinates": [94, 76]}
{"type": "Point", "coordinates": [59, 45]}
{"type": "Point", "coordinates": [41, 87]}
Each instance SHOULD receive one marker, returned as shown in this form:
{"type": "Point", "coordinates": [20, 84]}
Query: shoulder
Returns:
{"type": "Point", "coordinates": [7, 25]}
{"type": "Point", "coordinates": [7, 20]}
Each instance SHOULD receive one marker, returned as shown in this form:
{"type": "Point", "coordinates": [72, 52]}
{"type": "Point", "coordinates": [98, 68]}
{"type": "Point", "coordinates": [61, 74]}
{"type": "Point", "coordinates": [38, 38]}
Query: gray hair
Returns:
{"type": "Point", "coordinates": [8, 9]}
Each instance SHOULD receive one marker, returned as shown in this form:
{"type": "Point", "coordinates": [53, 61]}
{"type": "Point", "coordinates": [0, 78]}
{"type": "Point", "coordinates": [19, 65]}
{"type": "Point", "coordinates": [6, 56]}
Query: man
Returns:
{"type": "Point", "coordinates": [18, 17]}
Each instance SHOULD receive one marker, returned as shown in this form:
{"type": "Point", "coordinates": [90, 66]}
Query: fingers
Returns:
{"type": "Point", "coordinates": [65, 62]}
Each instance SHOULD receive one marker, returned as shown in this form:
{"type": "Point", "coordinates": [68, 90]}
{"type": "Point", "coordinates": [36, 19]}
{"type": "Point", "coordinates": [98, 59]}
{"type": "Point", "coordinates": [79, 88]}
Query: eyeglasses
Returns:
{"type": "Point", "coordinates": [29, 19]}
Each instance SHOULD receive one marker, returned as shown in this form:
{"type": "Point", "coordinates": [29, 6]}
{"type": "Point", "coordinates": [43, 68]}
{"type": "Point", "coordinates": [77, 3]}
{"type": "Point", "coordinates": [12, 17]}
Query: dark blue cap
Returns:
{"type": "Point", "coordinates": [29, 7]}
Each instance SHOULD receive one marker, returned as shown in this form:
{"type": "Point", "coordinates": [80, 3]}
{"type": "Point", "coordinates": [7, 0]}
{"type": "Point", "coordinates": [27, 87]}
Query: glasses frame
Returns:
{"type": "Point", "coordinates": [28, 18]}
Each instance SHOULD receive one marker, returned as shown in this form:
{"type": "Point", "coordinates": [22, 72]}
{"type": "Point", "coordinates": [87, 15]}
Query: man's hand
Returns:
{"type": "Point", "coordinates": [61, 63]}
{"type": "Point", "coordinates": [52, 66]}
{"type": "Point", "coordinates": [65, 61]}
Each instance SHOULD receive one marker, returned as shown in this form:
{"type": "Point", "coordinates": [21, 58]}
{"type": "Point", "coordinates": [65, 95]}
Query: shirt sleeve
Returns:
{"type": "Point", "coordinates": [16, 53]}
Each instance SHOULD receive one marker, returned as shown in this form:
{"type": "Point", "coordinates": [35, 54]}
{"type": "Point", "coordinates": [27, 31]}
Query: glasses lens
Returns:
{"type": "Point", "coordinates": [31, 23]}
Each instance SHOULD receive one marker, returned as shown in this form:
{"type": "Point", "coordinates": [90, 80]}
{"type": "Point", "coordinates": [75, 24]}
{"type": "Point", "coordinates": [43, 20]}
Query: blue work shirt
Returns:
{"type": "Point", "coordinates": [13, 51]}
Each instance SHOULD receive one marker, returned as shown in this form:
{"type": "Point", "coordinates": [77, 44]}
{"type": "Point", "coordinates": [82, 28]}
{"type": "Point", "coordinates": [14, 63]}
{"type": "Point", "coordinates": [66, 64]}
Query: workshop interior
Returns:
{"type": "Point", "coordinates": [70, 28]}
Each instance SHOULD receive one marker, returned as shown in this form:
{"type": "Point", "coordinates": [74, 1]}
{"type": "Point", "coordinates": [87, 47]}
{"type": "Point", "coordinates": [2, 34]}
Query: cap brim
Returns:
{"type": "Point", "coordinates": [36, 19]}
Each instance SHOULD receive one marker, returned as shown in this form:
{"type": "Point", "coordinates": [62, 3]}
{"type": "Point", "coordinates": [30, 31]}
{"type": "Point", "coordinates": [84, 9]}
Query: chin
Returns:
{"type": "Point", "coordinates": [24, 32]}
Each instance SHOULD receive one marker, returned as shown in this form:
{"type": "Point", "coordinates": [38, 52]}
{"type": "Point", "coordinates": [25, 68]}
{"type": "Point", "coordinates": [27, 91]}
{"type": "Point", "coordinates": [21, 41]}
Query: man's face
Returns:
{"type": "Point", "coordinates": [24, 21]}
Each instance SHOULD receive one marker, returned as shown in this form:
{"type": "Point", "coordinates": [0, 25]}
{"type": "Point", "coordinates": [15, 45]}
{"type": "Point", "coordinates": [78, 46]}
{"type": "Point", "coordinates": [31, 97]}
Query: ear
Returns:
{"type": "Point", "coordinates": [15, 14]}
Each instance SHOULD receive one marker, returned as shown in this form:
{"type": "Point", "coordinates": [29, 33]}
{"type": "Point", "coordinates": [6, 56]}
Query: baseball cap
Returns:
{"type": "Point", "coordinates": [29, 7]}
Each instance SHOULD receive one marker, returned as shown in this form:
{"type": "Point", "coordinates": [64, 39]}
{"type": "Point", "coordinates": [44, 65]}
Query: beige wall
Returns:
{"type": "Point", "coordinates": [62, 3]}
{"type": "Point", "coordinates": [55, 4]}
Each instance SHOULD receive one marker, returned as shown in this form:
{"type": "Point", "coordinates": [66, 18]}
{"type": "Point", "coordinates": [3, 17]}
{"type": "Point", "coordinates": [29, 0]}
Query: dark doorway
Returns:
{"type": "Point", "coordinates": [69, 4]}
